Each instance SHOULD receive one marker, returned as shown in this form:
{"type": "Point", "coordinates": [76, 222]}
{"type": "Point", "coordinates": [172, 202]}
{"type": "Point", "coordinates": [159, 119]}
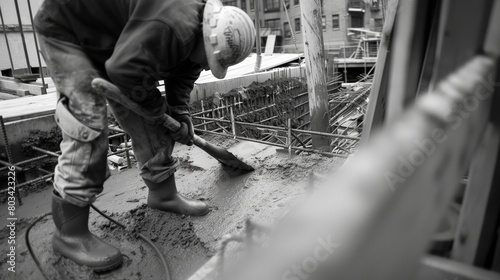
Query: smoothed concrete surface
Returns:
{"type": "Point", "coordinates": [263, 196]}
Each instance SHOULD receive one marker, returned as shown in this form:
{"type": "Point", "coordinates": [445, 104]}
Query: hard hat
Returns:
{"type": "Point", "coordinates": [228, 35]}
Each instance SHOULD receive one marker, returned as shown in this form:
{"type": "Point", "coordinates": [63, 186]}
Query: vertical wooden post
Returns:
{"type": "Point", "coordinates": [127, 152]}
{"type": "Point", "coordinates": [257, 38]}
{"type": "Point", "coordinates": [289, 137]}
{"type": "Point", "coordinates": [40, 70]}
{"type": "Point", "coordinates": [203, 110]}
{"type": "Point", "coordinates": [314, 52]}
{"type": "Point", "coordinates": [477, 230]}
{"type": "Point", "coordinates": [233, 125]}
{"type": "Point", "coordinates": [23, 39]}
{"type": "Point", "coordinates": [412, 37]}
{"type": "Point", "coordinates": [375, 113]}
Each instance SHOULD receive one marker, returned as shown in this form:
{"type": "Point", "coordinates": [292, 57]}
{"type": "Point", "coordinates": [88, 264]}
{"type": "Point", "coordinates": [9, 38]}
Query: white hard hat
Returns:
{"type": "Point", "coordinates": [228, 34]}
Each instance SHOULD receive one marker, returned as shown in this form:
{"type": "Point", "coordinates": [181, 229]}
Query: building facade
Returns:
{"type": "Point", "coordinates": [282, 18]}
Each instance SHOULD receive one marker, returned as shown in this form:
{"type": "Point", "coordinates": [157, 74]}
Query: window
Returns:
{"type": "Point", "coordinates": [335, 22]}
{"type": "Point", "coordinates": [297, 25]}
{"type": "Point", "coordinates": [244, 5]}
{"type": "Point", "coordinates": [230, 3]}
{"type": "Point", "coordinates": [252, 4]}
{"type": "Point", "coordinates": [323, 22]}
{"type": "Point", "coordinates": [274, 24]}
{"type": "Point", "coordinates": [379, 22]}
{"type": "Point", "coordinates": [271, 6]}
{"type": "Point", "coordinates": [287, 30]}
{"type": "Point", "coordinates": [356, 4]}
{"type": "Point", "coordinates": [375, 5]}
{"type": "Point", "coordinates": [295, 2]}
{"type": "Point", "coordinates": [357, 21]}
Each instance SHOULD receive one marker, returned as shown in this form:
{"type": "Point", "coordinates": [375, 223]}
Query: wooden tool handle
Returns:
{"type": "Point", "coordinates": [170, 123]}
{"type": "Point", "coordinates": [112, 92]}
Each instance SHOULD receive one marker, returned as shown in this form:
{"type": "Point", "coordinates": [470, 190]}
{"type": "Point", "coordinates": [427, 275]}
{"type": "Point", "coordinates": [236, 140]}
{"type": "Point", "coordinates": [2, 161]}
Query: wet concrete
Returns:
{"type": "Point", "coordinates": [263, 196]}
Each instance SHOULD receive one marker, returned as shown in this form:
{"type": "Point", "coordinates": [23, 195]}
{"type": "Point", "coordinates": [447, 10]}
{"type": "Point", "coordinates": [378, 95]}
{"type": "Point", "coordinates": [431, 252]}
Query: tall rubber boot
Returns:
{"type": "Point", "coordinates": [73, 239]}
{"type": "Point", "coordinates": [164, 196]}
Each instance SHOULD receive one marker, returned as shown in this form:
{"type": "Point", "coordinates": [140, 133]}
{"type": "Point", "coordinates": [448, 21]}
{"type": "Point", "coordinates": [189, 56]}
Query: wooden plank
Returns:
{"type": "Point", "coordinates": [12, 84]}
{"type": "Point", "coordinates": [437, 268]}
{"type": "Point", "coordinates": [28, 107]}
{"type": "Point", "coordinates": [496, 257]}
{"type": "Point", "coordinates": [460, 40]}
{"type": "Point", "coordinates": [7, 96]}
{"type": "Point", "coordinates": [492, 42]}
{"type": "Point", "coordinates": [430, 56]}
{"type": "Point", "coordinates": [478, 223]}
{"type": "Point", "coordinates": [375, 113]}
{"type": "Point", "coordinates": [271, 40]}
{"type": "Point", "coordinates": [411, 38]}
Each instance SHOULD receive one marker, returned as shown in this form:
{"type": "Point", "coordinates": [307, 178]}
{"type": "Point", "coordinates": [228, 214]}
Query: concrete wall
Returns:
{"type": "Point", "coordinates": [202, 91]}
{"type": "Point", "coordinates": [18, 131]}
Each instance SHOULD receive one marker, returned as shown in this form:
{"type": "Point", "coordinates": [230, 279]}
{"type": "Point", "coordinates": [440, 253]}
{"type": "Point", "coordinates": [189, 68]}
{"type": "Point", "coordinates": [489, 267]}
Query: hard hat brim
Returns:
{"type": "Point", "coordinates": [212, 7]}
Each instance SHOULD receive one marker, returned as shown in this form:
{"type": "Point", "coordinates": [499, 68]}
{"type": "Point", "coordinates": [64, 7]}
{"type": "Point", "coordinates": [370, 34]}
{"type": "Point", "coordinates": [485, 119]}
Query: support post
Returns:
{"type": "Point", "coordinates": [257, 38]}
{"type": "Point", "coordinates": [314, 52]}
{"type": "Point", "coordinates": [375, 113]}
{"type": "Point", "coordinates": [233, 125]}
{"type": "Point", "coordinates": [28, 64]}
{"type": "Point", "coordinates": [203, 110]}
{"type": "Point", "coordinates": [289, 137]}
{"type": "Point", "coordinates": [127, 153]}
{"type": "Point", "coordinates": [40, 70]}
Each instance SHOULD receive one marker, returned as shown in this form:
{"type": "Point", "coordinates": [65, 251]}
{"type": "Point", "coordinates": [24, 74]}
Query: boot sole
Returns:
{"type": "Point", "coordinates": [108, 267]}
{"type": "Point", "coordinates": [180, 213]}
{"type": "Point", "coordinates": [203, 213]}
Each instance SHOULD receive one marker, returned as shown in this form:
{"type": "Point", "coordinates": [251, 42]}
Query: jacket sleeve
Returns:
{"type": "Point", "coordinates": [145, 53]}
{"type": "Point", "coordinates": [179, 84]}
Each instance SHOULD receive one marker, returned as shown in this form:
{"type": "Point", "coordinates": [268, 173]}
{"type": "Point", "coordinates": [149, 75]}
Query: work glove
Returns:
{"type": "Point", "coordinates": [186, 132]}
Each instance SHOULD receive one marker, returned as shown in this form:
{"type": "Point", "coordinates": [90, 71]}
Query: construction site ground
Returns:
{"type": "Point", "coordinates": [187, 242]}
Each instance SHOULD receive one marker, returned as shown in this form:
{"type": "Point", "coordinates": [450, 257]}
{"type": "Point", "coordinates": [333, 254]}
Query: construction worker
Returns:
{"type": "Point", "coordinates": [132, 43]}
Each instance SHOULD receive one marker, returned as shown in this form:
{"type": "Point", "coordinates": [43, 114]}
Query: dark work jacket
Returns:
{"type": "Point", "coordinates": [136, 42]}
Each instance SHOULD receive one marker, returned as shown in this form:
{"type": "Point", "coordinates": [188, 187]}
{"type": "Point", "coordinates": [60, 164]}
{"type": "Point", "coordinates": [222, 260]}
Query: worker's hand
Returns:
{"type": "Point", "coordinates": [182, 135]}
{"type": "Point", "coordinates": [185, 134]}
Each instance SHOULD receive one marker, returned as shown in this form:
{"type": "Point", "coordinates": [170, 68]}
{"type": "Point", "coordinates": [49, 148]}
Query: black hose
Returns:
{"type": "Point", "coordinates": [166, 276]}
{"type": "Point", "coordinates": [26, 237]}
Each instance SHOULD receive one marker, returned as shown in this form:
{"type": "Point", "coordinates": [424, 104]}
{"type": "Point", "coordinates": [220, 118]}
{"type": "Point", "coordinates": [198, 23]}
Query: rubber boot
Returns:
{"type": "Point", "coordinates": [164, 196]}
{"type": "Point", "coordinates": [73, 239]}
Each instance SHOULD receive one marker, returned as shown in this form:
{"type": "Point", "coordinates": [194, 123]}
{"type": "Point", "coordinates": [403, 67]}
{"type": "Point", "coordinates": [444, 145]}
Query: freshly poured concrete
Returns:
{"type": "Point", "coordinates": [263, 196]}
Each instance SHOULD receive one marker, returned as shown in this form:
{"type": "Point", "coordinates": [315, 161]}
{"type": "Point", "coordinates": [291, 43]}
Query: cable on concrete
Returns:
{"type": "Point", "coordinates": [166, 275]}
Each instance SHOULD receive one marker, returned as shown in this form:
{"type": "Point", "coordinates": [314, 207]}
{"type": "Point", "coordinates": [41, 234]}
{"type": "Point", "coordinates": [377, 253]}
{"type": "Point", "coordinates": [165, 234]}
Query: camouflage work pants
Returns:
{"type": "Point", "coordinates": [82, 116]}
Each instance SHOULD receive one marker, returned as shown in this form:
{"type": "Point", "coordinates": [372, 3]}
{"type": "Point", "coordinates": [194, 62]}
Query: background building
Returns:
{"type": "Point", "coordinates": [338, 17]}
